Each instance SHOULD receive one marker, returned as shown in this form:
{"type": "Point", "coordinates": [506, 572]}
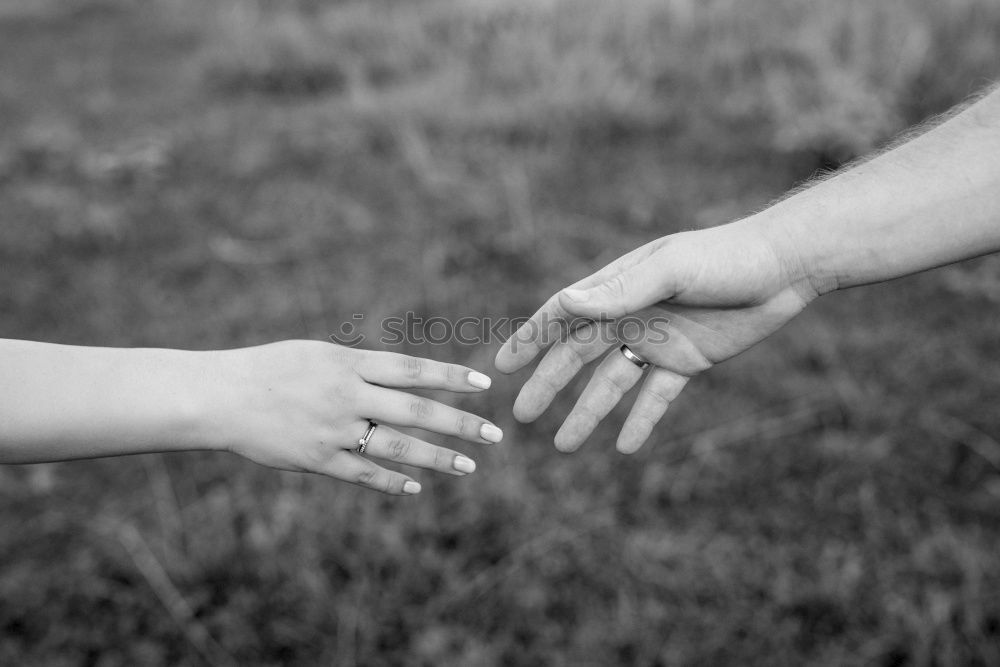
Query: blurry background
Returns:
{"type": "Point", "coordinates": [191, 174]}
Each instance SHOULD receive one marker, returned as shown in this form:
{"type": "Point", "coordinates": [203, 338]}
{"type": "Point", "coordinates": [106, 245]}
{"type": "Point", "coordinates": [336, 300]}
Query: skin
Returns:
{"type": "Point", "coordinates": [930, 201]}
{"type": "Point", "coordinates": [300, 405]}
{"type": "Point", "coordinates": [293, 405]}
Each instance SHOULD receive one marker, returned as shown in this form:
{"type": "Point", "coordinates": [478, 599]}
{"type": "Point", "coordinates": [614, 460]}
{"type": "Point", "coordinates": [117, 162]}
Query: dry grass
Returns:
{"type": "Point", "coordinates": [192, 175]}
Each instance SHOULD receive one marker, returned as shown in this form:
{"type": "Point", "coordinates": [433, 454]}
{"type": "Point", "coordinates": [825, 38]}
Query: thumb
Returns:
{"type": "Point", "coordinates": [623, 293]}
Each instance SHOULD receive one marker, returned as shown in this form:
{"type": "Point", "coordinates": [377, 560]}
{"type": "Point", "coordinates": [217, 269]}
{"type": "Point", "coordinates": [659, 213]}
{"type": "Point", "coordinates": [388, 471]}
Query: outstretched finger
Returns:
{"type": "Point", "coordinates": [615, 376]}
{"type": "Point", "coordinates": [559, 365]}
{"type": "Point", "coordinates": [350, 467]}
{"type": "Point", "coordinates": [548, 325]}
{"type": "Point", "coordinates": [389, 444]}
{"type": "Point", "coordinates": [390, 369]}
{"type": "Point", "coordinates": [657, 392]}
{"type": "Point", "coordinates": [397, 407]}
{"type": "Point", "coordinates": [553, 319]}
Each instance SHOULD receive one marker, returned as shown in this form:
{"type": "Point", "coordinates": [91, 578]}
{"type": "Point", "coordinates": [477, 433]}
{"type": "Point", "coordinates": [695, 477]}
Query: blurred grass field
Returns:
{"type": "Point", "coordinates": [203, 175]}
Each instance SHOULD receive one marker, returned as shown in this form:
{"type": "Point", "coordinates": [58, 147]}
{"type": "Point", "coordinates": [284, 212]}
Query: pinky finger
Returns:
{"type": "Point", "coordinates": [660, 388]}
{"type": "Point", "coordinates": [350, 467]}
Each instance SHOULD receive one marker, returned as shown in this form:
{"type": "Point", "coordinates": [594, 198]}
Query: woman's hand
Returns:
{"type": "Point", "coordinates": [303, 406]}
{"type": "Point", "coordinates": [683, 302]}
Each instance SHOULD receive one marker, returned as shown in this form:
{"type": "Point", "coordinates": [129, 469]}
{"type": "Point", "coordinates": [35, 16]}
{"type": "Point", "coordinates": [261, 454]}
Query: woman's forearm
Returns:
{"type": "Point", "coordinates": [64, 402]}
{"type": "Point", "coordinates": [305, 406]}
{"type": "Point", "coordinates": [929, 202]}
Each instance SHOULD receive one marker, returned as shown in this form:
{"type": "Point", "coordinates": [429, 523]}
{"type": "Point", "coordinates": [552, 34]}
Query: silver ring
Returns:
{"type": "Point", "coordinates": [363, 442]}
{"type": "Point", "coordinates": [634, 358]}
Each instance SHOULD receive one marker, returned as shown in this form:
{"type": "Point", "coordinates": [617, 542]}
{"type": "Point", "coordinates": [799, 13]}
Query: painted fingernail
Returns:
{"type": "Point", "coordinates": [479, 380]}
{"type": "Point", "coordinates": [490, 433]}
{"type": "Point", "coordinates": [411, 487]}
{"type": "Point", "coordinates": [464, 464]}
{"type": "Point", "coordinates": [578, 295]}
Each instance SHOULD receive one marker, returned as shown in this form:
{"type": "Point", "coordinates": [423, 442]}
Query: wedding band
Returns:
{"type": "Point", "coordinates": [634, 358]}
{"type": "Point", "coordinates": [363, 442]}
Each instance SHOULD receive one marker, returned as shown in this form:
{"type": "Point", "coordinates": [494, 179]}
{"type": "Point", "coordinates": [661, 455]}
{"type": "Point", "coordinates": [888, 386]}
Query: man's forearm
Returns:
{"type": "Point", "coordinates": [62, 402]}
{"type": "Point", "coordinates": [929, 202]}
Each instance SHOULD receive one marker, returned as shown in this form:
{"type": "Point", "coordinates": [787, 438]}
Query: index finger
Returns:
{"type": "Point", "coordinates": [542, 329]}
{"type": "Point", "coordinates": [549, 325]}
{"type": "Point", "coordinates": [551, 322]}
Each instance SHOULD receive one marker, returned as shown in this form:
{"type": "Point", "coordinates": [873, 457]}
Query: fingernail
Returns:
{"type": "Point", "coordinates": [477, 379]}
{"type": "Point", "coordinates": [411, 487]}
{"type": "Point", "coordinates": [577, 294]}
{"type": "Point", "coordinates": [490, 433]}
{"type": "Point", "coordinates": [464, 464]}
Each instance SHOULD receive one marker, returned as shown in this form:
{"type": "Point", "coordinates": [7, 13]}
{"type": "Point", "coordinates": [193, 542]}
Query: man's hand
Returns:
{"type": "Point", "coordinates": [928, 202]}
{"type": "Point", "coordinates": [683, 302]}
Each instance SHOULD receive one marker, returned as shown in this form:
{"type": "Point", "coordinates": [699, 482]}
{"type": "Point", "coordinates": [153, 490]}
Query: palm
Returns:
{"type": "Point", "coordinates": [701, 336]}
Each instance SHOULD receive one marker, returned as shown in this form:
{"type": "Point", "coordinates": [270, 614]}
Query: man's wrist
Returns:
{"type": "Point", "coordinates": [798, 254]}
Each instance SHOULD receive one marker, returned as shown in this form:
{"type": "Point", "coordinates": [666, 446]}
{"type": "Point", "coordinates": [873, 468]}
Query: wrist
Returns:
{"type": "Point", "coordinates": [205, 399]}
{"type": "Point", "coordinates": [797, 254]}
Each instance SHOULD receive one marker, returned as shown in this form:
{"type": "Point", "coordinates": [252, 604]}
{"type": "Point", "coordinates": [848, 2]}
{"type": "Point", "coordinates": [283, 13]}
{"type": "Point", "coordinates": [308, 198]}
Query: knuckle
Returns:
{"type": "Point", "coordinates": [574, 359]}
{"type": "Point", "coordinates": [413, 368]}
{"type": "Point", "coordinates": [399, 448]}
{"type": "Point", "coordinates": [613, 385]}
{"type": "Point", "coordinates": [463, 423]}
{"type": "Point", "coordinates": [320, 455]}
{"type": "Point", "coordinates": [345, 389]}
{"type": "Point", "coordinates": [545, 382]}
{"type": "Point", "coordinates": [367, 477]}
{"type": "Point", "coordinates": [389, 485]}
{"type": "Point", "coordinates": [643, 425]}
{"type": "Point", "coordinates": [441, 459]}
{"type": "Point", "coordinates": [558, 368]}
{"type": "Point", "coordinates": [421, 408]}
{"type": "Point", "coordinates": [616, 286]}
{"type": "Point", "coordinates": [660, 396]}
